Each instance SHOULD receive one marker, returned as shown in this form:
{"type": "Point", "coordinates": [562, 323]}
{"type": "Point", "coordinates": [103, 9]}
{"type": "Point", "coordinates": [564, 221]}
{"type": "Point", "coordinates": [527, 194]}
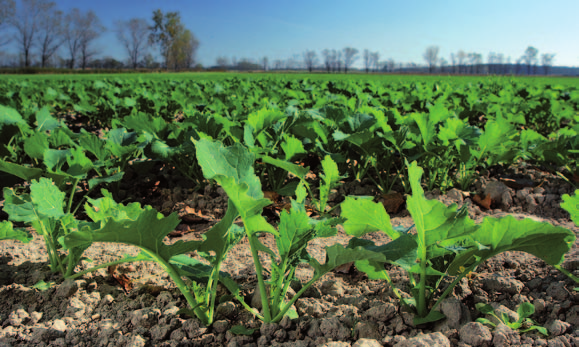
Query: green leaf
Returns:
{"type": "Point", "coordinates": [42, 286]}
{"type": "Point", "coordinates": [435, 222]}
{"type": "Point", "coordinates": [542, 330]}
{"type": "Point", "coordinates": [47, 198]}
{"type": "Point", "coordinates": [78, 163]}
{"type": "Point", "coordinates": [162, 149]}
{"type": "Point", "coordinates": [241, 330]}
{"type": "Point", "coordinates": [7, 232]}
{"type": "Point", "coordinates": [45, 121]}
{"type": "Point", "coordinates": [36, 144]}
{"type": "Point", "coordinates": [93, 182]}
{"type": "Point", "coordinates": [301, 192]}
{"type": "Point", "coordinates": [23, 172]}
{"type": "Point", "coordinates": [525, 310]}
{"type": "Point", "coordinates": [292, 146]}
{"type": "Point", "coordinates": [364, 216]}
{"type": "Point", "coordinates": [54, 159]}
{"type": "Point", "coordinates": [497, 235]}
{"type": "Point", "coordinates": [337, 255]}
{"type": "Point", "coordinates": [147, 231]}
{"type": "Point", "coordinates": [223, 236]}
{"type": "Point", "coordinates": [9, 116]}
{"type": "Point", "coordinates": [232, 168]}
{"type": "Point", "coordinates": [297, 170]}
{"type": "Point", "coordinates": [401, 251]}
{"type": "Point", "coordinates": [485, 321]}
{"type": "Point", "coordinates": [105, 208]}
{"type": "Point", "coordinates": [295, 231]}
{"type": "Point", "coordinates": [264, 118]}
{"type": "Point", "coordinates": [432, 316]}
{"type": "Point", "coordinates": [289, 189]}
{"type": "Point", "coordinates": [484, 308]}
{"type": "Point", "coordinates": [19, 208]}
{"type": "Point", "coordinates": [569, 204]}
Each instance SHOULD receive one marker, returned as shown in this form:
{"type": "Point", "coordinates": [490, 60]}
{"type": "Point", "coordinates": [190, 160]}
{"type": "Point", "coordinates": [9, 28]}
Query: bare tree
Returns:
{"type": "Point", "coordinates": [390, 65]}
{"type": "Point", "coordinates": [310, 60]}
{"type": "Point", "coordinates": [338, 60]}
{"type": "Point", "coordinates": [475, 62]}
{"type": "Point", "coordinates": [80, 31]}
{"type": "Point", "coordinates": [367, 60]}
{"type": "Point", "coordinates": [91, 30]}
{"type": "Point", "coordinates": [327, 56]}
{"type": "Point", "coordinates": [7, 10]}
{"type": "Point", "coordinates": [461, 59]}
{"type": "Point", "coordinates": [431, 57]}
{"type": "Point", "coordinates": [26, 21]}
{"type": "Point", "coordinates": [222, 62]}
{"type": "Point", "coordinates": [547, 61]}
{"type": "Point", "coordinates": [133, 34]}
{"type": "Point", "coordinates": [264, 62]}
{"type": "Point", "coordinates": [278, 64]}
{"type": "Point", "coordinates": [374, 60]}
{"type": "Point", "coordinates": [443, 64]}
{"type": "Point", "coordinates": [50, 33]}
{"type": "Point", "coordinates": [530, 57]}
{"type": "Point", "coordinates": [350, 56]}
{"type": "Point", "coordinates": [72, 35]}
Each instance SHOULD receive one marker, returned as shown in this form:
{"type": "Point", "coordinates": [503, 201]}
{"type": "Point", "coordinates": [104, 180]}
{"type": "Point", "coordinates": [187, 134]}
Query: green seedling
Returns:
{"type": "Point", "coordinates": [523, 324]}
{"type": "Point", "coordinates": [232, 168]}
{"type": "Point", "coordinates": [447, 243]}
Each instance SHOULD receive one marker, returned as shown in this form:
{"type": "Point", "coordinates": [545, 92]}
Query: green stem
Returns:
{"type": "Point", "coordinates": [247, 307]}
{"type": "Point", "coordinates": [453, 284]}
{"type": "Point", "coordinates": [51, 249]}
{"type": "Point", "coordinates": [70, 267]}
{"type": "Point", "coordinates": [277, 295]}
{"type": "Point", "coordinates": [421, 300]}
{"type": "Point", "coordinates": [287, 283]}
{"type": "Point", "coordinates": [72, 189]}
{"type": "Point", "coordinates": [191, 300]}
{"type": "Point", "coordinates": [211, 290]}
{"type": "Point", "coordinates": [259, 272]}
{"type": "Point", "coordinates": [566, 272]}
{"type": "Point", "coordinates": [102, 266]}
{"type": "Point", "coordinates": [289, 304]}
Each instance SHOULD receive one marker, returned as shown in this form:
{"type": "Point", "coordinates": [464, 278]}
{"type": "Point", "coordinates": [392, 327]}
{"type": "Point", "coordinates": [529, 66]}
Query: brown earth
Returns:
{"type": "Point", "coordinates": [343, 309]}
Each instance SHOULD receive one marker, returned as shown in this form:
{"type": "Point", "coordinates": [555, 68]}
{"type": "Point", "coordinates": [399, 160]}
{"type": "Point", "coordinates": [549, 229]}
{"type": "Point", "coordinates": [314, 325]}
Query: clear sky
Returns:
{"type": "Point", "coordinates": [400, 30]}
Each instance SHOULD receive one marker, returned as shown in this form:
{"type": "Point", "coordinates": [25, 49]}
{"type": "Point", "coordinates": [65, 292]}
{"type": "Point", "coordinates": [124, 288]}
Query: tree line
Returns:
{"type": "Point", "coordinates": [335, 61]}
{"type": "Point", "coordinates": [46, 36]}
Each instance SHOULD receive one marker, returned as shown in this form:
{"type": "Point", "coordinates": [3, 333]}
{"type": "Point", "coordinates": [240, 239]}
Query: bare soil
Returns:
{"type": "Point", "coordinates": [343, 309]}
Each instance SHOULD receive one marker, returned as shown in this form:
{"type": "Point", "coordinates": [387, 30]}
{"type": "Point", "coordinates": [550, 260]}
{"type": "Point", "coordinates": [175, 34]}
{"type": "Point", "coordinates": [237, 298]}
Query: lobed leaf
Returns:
{"type": "Point", "coordinates": [7, 232]}
{"type": "Point", "coordinates": [364, 216]}
{"type": "Point", "coordinates": [571, 205]}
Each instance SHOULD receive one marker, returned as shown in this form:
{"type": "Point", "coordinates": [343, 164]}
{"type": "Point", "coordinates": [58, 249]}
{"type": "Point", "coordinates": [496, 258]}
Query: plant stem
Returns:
{"type": "Point", "coordinates": [102, 266]}
{"type": "Point", "coordinates": [191, 300]}
{"type": "Point", "coordinates": [453, 284]}
{"type": "Point", "coordinates": [259, 272]}
{"type": "Point", "coordinates": [72, 189]}
{"type": "Point", "coordinates": [566, 272]}
{"type": "Point", "coordinates": [287, 306]}
{"type": "Point", "coordinates": [212, 288]}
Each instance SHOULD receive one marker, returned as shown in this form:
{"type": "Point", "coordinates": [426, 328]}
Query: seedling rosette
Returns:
{"type": "Point", "coordinates": [232, 168]}
{"type": "Point", "coordinates": [446, 243]}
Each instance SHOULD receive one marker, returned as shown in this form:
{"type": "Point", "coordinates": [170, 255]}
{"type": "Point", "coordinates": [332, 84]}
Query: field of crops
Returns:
{"type": "Point", "coordinates": [368, 210]}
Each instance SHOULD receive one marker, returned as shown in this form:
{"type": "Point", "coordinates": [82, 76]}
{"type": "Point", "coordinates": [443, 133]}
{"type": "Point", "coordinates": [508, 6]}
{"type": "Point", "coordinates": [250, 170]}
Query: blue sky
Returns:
{"type": "Point", "coordinates": [400, 30]}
